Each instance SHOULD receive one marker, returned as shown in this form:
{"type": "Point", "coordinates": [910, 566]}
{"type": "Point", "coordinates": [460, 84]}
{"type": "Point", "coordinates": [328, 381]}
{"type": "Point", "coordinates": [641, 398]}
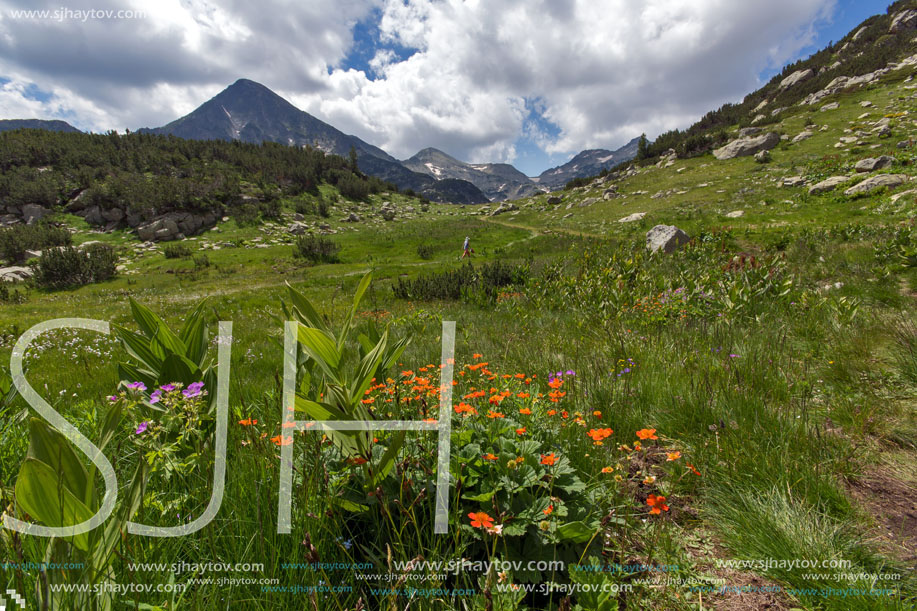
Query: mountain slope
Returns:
{"type": "Point", "coordinates": [53, 126]}
{"type": "Point", "coordinates": [250, 112]}
{"type": "Point", "coordinates": [498, 181]}
{"type": "Point", "coordinates": [587, 163]}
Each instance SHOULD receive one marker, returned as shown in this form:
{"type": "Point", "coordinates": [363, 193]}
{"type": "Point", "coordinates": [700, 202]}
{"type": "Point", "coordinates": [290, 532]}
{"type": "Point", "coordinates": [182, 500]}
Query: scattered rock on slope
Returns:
{"type": "Point", "coordinates": [747, 146]}
{"type": "Point", "coordinates": [667, 238]}
{"type": "Point", "coordinates": [874, 182]}
{"type": "Point", "coordinates": [797, 77]}
{"type": "Point", "coordinates": [827, 184]}
{"type": "Point", "coordinates": [504, 208]}
{"type": "Point", "coordinates": [871, 164]}
{"type": "Point", "coordinates": [630, 218]}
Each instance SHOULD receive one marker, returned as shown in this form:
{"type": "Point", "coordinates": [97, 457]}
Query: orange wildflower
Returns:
{"type": "Point", "coordinates": [597, 435]}
{"type": "Point", "coordinates": [670, 456]}
{"type": "Point", "coordinates": [248, 422]}
{"type": "Point", "coordinates": [520, 431]}
{"type": "Point", "coordinates": [548, 459]}
{"type": "Point", "coordinates": [657, 503]}
{"type": "Point", "coordinates": [282, 440]}
{"type": "Point", "coordinates": [647, 434]}
{"type": "Point", "coordinates": [525, 411]}
{"type": "Point", "coordinates": [492, 414]}
{"type": "Point", "coordinates": [476, 356]}
{"type": "Point", "coordinates": [480, 519]}
{"type": "Point", "coordinates": [549, 510]}
{"type": "Point", "coordinates": [607, 469]}
{"type": "Point", "coordinates": [556, 383]}
{"type": "Point", "coordinates": [690, 466]}
{"type": "Point", "coordinates": [490, 456]}
{"type": "Point", "coordinates": [552, 412]}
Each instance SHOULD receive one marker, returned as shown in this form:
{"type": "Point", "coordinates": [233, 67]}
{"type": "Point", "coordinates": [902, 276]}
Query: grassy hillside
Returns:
{"type": "Point", "coordinates": [729, 426]}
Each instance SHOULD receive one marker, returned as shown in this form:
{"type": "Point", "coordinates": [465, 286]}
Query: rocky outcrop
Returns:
{"type": "Point", "coordinates": [875, 182]}
{"type": "Point", "coordinates": [747, 146]}
{"type": "Point", "coordinates": [667, 238]}
{"type": "Point", "coordinates": [797, 77]}
{"type": "Point", "coordinates": [803, 135]}
{"type": "Point", "coordinates": [31, 213]}
{"type": "Point", "coordinates": [387, 211]}
{"type": "Point", "coordinates": [175, 226]}
{"type": "Point", "coordinates": [871, 164]}
{"type": "Point", "coordinates": [630, 218]}
{"type": "Point", "coordinates": [904, 20]}
{"type": "Point", "coordinates": [504, 208]}
{"type": "Point", "coordinates": [827, 184]}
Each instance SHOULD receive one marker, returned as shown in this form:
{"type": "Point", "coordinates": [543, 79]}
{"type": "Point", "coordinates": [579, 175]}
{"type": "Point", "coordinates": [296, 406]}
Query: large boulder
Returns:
{"type": "Point", "coordinates": [15, 273]}
{"type": "Point", "coordinates": [744, 147]}
{"type": "Point", "coordinates": [797, 77]}
{"type": "Point", "coordinates": [667, 238]}
{"type": "Point", "coordinates": [32, 212]}
{"type": "Point", "coordinates": [827, 184]}
{"type": "Point", "coordinates": [113, 215]}
{"type": "Point", "coordinates": [871, 164]}
{"type": "Point", "coordinates": [874, 182]}
{"type": "Point", "coordinates": [175, 226]}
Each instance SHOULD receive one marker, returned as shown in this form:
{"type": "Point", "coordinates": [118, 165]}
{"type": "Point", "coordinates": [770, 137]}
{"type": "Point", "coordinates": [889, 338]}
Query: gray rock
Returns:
{"type": "Point", "coordinates": [504, 208]}
{"type": "Point", "coordinates": [33, 212]}
{"type": "Point", "coordinates": [15, 273]}
{"type": "Point", "coordinates": [803, 135]}
{"type": "Point", "coordinates": [747, 146]}
{"type": "Point", "coordinates": [871, 164]}
{"type": "Point", "coordinates": [554, 200]}
{"type": "Point", "coordinates": [113, 214]}
{"type": "Point", "coordinates": [904, 144]}
{"type": "Point", "coordinates": [297, 228]}
{"type": "Point", "coordinates": [353, 217]}
{"type": "Point", "coordinates": [32, 254]}
{"type": "Point", "coordinates": [827, 184]}
{"type": "Point", "coordinates": [667, 238]}
{"type": "Point", "coordinates": [874, 182]}
{"type": "Point", "coordinates": [794, 181]}
{"type": "Point", "coordinates": [93, 216]}
{"type": "Point", "coordinates": [903, 20]}
{"type": "Point", "coordinates": [745, 132]}
{"type": "Point", "coordinates": [735, 214]}
{"type": "Point", "coordinates": [831, 106]}
{"type": "Point", "coordinates": [763, 156]}
{"type": "Point", "coordinates": [630, 218]}
{"type": "Point", "coordinates": [797, 77]}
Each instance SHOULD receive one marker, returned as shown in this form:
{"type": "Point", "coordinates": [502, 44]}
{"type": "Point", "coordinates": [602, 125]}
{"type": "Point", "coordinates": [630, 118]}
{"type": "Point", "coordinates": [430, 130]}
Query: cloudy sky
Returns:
{"type": "Point", "coordinates": [530, 82]}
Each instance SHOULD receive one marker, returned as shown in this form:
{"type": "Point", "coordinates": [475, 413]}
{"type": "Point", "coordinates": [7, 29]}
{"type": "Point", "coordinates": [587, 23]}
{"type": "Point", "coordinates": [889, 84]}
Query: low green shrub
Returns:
{"type": "Point", "coordinates": [176, 251]}
{"type": "Point", "coordinates": [316, 249]}
{"type": "Point", "coordinates": [67, 266]}
{"type": "Point", "coordinates": [466, 282]}
{"type": "Point", "coordinates": [15, 240]}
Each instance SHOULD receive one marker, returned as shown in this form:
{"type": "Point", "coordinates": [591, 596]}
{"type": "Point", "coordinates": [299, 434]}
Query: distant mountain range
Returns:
{"type": "Point", "coordinates": [587, 163]}
{"type": "Point", "coordinates": [53, 126]}
{"type": "Point", "coordinates": [250, 112]}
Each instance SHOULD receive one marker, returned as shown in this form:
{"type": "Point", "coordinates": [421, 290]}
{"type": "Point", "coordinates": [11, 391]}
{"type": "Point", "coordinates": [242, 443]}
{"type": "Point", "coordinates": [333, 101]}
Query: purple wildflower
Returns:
{"type": "Point", "coordinates": [156, 396]}
{"type": "Point", "coordinates": [168, 387]}
{"type": "Point", "coordinates": [142, 427]}
{"type": "Point", "coordinates": [570, 372]}
{"type": "Point", "coordinates": [193, 390]}
{"type": "Point", "coordinates": [112, 398]}
{"type": "Point", "coordinates": [137, 386]}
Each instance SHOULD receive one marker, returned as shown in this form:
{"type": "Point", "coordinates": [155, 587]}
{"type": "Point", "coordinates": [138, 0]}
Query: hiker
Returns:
{"type": "Point", "coordinates": [466, 248]}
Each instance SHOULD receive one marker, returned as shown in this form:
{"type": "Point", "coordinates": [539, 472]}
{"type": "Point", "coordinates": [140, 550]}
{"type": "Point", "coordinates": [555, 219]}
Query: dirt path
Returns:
{"type": "Point", "coordinates": [536, 231]}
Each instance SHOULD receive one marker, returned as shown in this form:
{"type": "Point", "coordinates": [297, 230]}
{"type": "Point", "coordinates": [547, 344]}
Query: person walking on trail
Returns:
{"type": "Point", "coordinates": [466, 248]}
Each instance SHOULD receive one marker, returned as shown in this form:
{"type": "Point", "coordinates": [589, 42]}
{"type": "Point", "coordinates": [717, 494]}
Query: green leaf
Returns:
{"type": "Point", "coordinates": [307, 314]}
{"type": "Point", "coordinates": [576, 532]}
{"type": "Point", "coordinates": [169, 341]}
{"type": "Point", "coordinates": [321, 347]}
{"type": "Point", "coordinates": [357, 297]}
{"type": "Point", "coordinates": [138, 347]}
{"type": "Point", "coordinates": [176, 368]}
{"type": "Point", "coordinates": [47, 445]}
{"type": "Point", "coordinates": [480, 498]}
{"type": "Point", "coordinates": [367, 369]}
{"type": "Point", "coordinates": [319, 411]}
{"type": "Point", "coordinates": [145, 318]}
{"type": "Point", "coordinates": [194, 335]}
{"type": "Point", "coordinates": [388, 459]}
{"type": "Point", "coordinates": [40, 494]}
